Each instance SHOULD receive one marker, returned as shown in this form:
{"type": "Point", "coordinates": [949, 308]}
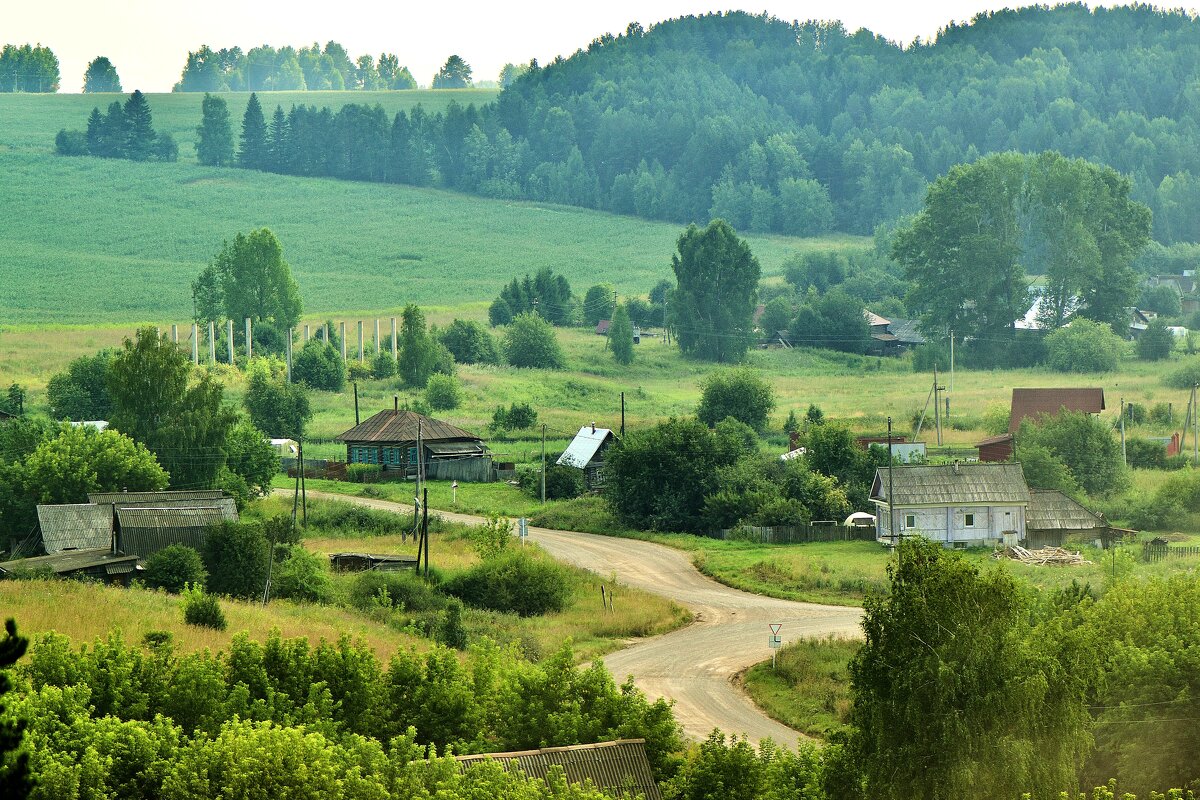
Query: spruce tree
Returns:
{"type": "Point", "coordinates": [620, 336]}
{"type": "Point", "coordinates": [114, 138]}
{"type": "Point", "coordinates": [214, 147]}
{"type": "Point", "coordinates": [139, 128]}
{"type": "Point", "coordinates": [277, 142]}
{"type": "Point", "coordinates": [254, 136]}
{"type": "Point", "coordinates": [95, 133]}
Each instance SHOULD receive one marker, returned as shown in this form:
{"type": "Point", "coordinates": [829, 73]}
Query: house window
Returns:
{"type": "Point", "coordinates": [969, 521]}
{"type": "Point", "coordinates": [412, 455]}
{"type": "Point", "coordinates": [910, 520]}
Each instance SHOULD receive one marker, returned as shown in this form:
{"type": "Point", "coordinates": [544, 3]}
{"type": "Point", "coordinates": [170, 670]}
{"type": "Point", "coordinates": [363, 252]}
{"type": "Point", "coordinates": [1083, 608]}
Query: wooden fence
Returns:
{"type": "Point", "coordinates": [1162, 552]}
{"type": "Point", "coordinates": [820, 531]}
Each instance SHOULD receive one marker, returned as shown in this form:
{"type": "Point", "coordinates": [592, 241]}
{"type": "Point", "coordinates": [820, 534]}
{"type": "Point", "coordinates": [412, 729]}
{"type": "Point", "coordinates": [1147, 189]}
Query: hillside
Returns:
{"type": "Point", "coordinates": [90, 240]}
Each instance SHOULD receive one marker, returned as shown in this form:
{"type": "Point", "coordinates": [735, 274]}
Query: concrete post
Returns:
{"type": "Point", "coordinates": [377, 350]}
{"type": "Point", "coordinates": [325, 332]}
{"type": "Point", "coordinates": [342, 331]}
{"type": "Point", "coordinates": [361, 352]}
{"type": "Point", "coordinates": [395, 354]}
{"type": "Point", "coordinates": [229, 334]}
{"type": "Point", "coordinates": [195, 345]}
{"type": "Point", "coordinates": [249, 341]}
{"type": "Point", "coordinates": [174, 334]}
{"type": "Point", "coordinates": [212, 343]}
{"type": "Point", "coordinates": [305, 334]}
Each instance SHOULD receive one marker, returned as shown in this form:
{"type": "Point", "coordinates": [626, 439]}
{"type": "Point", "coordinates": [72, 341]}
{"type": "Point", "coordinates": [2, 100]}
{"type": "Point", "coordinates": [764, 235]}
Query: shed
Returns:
{"type": "Point", "coordinates": [80, 526]}
{"type": "Point", "coordinates": [907, 332]}
{"type": "Point", "coordinates": [960, 505]}
{"type": "Point", "coordinates": [145, 530]}
{"type": "Point", "coordinates": [586, 452]}
{"type": "Point", "coordinates": [602, 327]}
{"type": "Point", "coordinates": [134, 498]}
{"type": "Point", "coordinates": [996, 448]}
{"type": "Point", "coordinates": [390, 439]}
{"type": "Point", "coordinates": [361, 562]}
{"type": "Point", "coordinates": [1053, 516]}
{"type": "Point", "coordinates": [95, 563]}
{"type": "Point", "coordinates": [1034, 402]}
{"type": "Point", "coordinates": [619, 768]}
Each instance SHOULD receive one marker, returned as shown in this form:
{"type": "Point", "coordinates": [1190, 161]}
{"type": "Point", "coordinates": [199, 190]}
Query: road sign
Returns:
{"type": "Point", "coordinates": [774, 642]}
{"type": "Point", "coordinates": [775, 627]}
{"type": "Point", "coordinates": [522, 529]}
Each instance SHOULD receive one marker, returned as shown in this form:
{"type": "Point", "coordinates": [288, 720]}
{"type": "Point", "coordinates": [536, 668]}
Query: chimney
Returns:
{"type": "Point", "coordinates": [955, 467]}
{"type": "Point", "coordinates": [395, 404]}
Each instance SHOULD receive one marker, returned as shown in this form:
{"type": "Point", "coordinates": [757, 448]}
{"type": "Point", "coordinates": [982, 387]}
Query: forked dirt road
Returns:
{"type": "Point", "coordinates": [694, 666]}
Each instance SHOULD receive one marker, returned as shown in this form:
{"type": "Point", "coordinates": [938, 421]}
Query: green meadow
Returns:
{"type": "Point", "coordinates": [88, 240]}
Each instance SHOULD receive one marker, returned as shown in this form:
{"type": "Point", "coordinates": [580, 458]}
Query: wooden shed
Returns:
{"type": "Point", "coordinates": [1052, 516]}
{"type": "Point", "coordinates": [78, 526]}
{"type": "Point", "coordinates": [145, 530]}
{"type": "Point", "coordinates": [93, 563]}
{"type": "Point", "coordinates": [996, 448]}
{"type": "Point", "coordinates": [619, 768]}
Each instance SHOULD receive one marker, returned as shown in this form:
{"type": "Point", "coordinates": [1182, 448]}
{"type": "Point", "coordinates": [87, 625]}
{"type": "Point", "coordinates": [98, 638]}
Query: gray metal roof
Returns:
{"type": "Point", "coordinates": [620, 768]}
{"type": "Point", "coordinates": [75, 560]}
{"type": "Point", "coordinates": [75, 527]}
{"type": "Point", "coordinates": [145, 530]}
{"type": "Point", "coordinates": [584, 447]}
{"type": "Point", "coordinates": [952, 484]}
{"type": "Point", "coordinates": [1050, 510]}
{"type": "Point", "coordinates": [154, 497]}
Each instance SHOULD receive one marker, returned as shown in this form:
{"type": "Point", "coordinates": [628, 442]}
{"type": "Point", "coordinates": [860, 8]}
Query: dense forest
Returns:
{"type": "Point", "coordinates": [799, 128]}
{"type": "Point", "coordinates": [288, 69]}
{"type": "Point", "coordinates": [28, 69]}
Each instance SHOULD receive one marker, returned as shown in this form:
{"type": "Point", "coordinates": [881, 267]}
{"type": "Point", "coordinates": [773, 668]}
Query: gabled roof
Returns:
{"type": "Point", "coordinates": [610, 766]}
{"type": "Point", "coordinates": [584, 447]}
{"type": "Point", "coordinates": [164, 517]}
{"type": "Point", "coordinates": [952, 484]}
{"type": "Point", "coordinates": [75, 527]}
{"type": "Point", "coordinates": [874, 319]}
{"type": "Point", "coordinates": [1050, 510]}
{"type": "Point", "coordinates": [906, 331]}
{"type": "Point", "coordinates": [1004, 437]}
{"type": "Point", "coordinates": [134, 498]}
{"type": "Point", "coordinates": [401, 426]}
{"type": "Point", "coordinates": [1032, 402]}
{"type": "Point", "coordinates": [602, 326]}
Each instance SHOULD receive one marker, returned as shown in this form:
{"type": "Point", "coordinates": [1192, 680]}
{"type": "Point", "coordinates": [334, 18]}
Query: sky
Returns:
{"type": "Point", "coordinates": [148, 40]}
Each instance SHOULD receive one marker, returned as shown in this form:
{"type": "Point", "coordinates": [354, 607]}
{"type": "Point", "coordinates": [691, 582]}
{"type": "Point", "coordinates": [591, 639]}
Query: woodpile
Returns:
{"type": "Point", "coordinates": [1054, 556]}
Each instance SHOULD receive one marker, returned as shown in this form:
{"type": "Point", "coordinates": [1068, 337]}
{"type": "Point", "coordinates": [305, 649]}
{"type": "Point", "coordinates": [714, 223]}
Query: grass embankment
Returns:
{"type": "Point", "coordinates": [809, 687]}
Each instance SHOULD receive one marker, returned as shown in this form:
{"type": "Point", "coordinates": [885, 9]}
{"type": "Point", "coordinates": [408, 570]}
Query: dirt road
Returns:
{"type": "Point", "coordinates": [693, 666]}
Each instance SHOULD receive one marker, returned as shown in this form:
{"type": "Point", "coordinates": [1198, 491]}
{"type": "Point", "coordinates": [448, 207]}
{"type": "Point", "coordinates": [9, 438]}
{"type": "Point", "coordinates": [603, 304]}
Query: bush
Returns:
{"type": "Point", "coordinates": [1156, 342]}
{"type": "Point", "coordinates": [355, 520]}
{"type": "Point", "coordinates": [383, 365]}
{"type": "Point", "coordinates": [1142, 454]}
{"type": "Point", "coordinates": [301, 575]}
{"type": "Point", "coordinates": [738, 393]}
{"type": "Point", "coordinates": [1156, 514]}
{"type": "Point", "coordinates": [492, 538]}
{"type": "Point", "coordinates": [358, 371]}
{"type": "Point", "coordinates": [515, 582]}
{"type": "Point", "coordinates": [1185, 377]}
{"type": "Point", "coordinates": [929, 355]}
{"type": "Point", "coordinates": [236, 555]}
{"type": "Point", "coordinates": [174, 567]}
{"type": "Point", "coordinates": [562, 483]}
{"type": "Point", "coordinates": [1084, 346]}
{"type": "Point", "coordinates": [530, 342]}
{"type": "Point", "coordinates": [442, 392]}
{"type": "Point", "coordinates": [202, 609]}
{"type": "Point", "coordinates": [363, 473]}
{"type": "Point", "coordinates": [405, 590]}
{"type": "Point", "coordinates": [500, 312]}
{"type": "Point", "coordinates": [451, 632]}
{"type": "Point", "coordinates": [71, 143]}
{"type": "Point", "coordinates": [320, 366]}
{"type": "Point", "coordinates": [469, 343]}
{"type": "Point", "coordinates": [517, 417]}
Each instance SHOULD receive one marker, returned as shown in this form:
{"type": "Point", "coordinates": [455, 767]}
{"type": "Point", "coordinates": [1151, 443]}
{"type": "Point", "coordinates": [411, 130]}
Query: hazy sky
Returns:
{"type": "Point", "coordinates": [148, 40]}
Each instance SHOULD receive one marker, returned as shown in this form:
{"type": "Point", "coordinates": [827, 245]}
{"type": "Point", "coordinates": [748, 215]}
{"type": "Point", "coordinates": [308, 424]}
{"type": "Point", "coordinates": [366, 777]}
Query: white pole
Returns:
{"type": "Point", "coordinates": [195, 345]}
{"type": "Point", "coordinates": [249, 341]}
{"type": "Point", "coordinates": [212, 342]}
{"type": "Point", "coordinates": [229, 331]}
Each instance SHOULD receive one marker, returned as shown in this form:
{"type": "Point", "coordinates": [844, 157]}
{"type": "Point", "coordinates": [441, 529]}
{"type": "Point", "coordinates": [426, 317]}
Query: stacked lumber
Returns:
{"type": "Point", "coordinates": [1053, 556]}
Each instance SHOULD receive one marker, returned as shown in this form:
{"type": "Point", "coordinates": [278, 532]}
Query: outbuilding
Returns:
{"type": "Point", "coordinates": [586, 452]}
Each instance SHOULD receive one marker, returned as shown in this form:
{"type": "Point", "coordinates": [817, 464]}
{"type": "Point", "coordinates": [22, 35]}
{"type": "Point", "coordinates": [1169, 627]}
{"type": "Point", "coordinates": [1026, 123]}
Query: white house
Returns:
{"type": "Point", "coordinates": [959, 505]}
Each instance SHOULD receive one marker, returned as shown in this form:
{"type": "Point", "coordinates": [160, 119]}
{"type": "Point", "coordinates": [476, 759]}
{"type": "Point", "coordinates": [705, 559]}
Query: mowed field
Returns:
{"type": "Point", "coordinates": [87, 241]}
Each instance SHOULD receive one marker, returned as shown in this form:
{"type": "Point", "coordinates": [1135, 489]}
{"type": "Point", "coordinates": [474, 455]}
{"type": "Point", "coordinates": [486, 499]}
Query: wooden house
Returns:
{"type": "Point", "coordinates": [586, 452]}
{"type": "Point", "coordinates": [390, 439]}
{"type": "Point", "coordinates": [959, 505]}
{"type": "Point", "coordinates": [619, 769]}
{"type": "Point", "coordinates": [1052, 516]}
{"type": "Point", "coordinates": [78, 526]}
{"type": "Point", "coordinates": [1032, 403]}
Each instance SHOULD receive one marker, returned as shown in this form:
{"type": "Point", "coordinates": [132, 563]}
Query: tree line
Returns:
{"type": "Point", "coordinates": [124, 131]}
{"type": "Point", "coordinates": [312, 68]}
{"type": "Point", "coordinates": [27, 68]}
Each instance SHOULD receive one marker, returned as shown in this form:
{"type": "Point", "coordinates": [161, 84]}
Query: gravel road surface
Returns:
{"type": "Point", "coordinates": [693, 666]}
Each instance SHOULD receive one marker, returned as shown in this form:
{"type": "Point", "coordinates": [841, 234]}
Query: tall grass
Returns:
{"type": "Point", "coordinates": [809, 687]}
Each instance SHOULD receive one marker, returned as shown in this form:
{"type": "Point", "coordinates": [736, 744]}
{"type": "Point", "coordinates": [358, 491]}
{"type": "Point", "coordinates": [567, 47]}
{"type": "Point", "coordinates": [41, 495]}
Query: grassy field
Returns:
{"type": "Point", "coordinates": [809, 687]}
{"type": "Point", "coordinates": [90, 240]}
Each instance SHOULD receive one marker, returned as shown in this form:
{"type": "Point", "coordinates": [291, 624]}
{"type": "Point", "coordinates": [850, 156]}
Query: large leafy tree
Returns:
{"type": "Point", "coordinates": [454, 74]}
{"type": "Point", "coordinates": [279, 408]}
{"type": "Point", "coordinates": [952, 675]}
{"type": "Point", "coordinates": [248, 279]}
{"type": "Point", "coordinates": [81, 391]}
{"type": "Point", "coordinates": [1084, 443]}
{"type": "Point", "coordinates": [15, 782]}
{"type": "Point", "coordinates": [713, 304]}
{"type": "Point", "coordinates": [739, 393]}
{"type": "Point", "coordinates": [176, 412]}
{"type": "Point", "coordinates": [101, 76]}
{"type": "Point", "coordinates": [529, 341]}
{"type": "Point", "coordinates": [620, 336]}
{"type": "Point", "coordinates": [418, 355]}
{"type": "Point", "coordinates": [214, 142]}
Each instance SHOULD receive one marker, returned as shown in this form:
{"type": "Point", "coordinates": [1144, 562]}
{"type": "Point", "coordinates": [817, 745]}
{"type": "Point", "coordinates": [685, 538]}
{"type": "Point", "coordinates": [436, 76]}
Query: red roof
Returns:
{"type": "Point", "coordinates": [1033, 402]}
{"type": "Point", "coordinates": [401, 426]}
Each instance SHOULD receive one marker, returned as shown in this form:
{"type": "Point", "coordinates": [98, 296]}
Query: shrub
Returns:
{"type": "Point", "coordinates": [236, 555]}
{"type": "Point", "coordinates": [1142, 454]}
{"type": "Point", "coordinates": [562, 483]}
{"type": "Point", "coordinates": [363, 473]}
{"type": "Point", "coordinates": [399, 589]}
{"type": "Point", "coordinates": [383, 365]}
{"type": "Point", "coordinates": [1156, 514]}
{"type": "Point", "coordinates": [320, 366]}
{"type": "Point", "coordinates": [530, 342]}
{"type": "Point", "coordinates": [1084, 346]}
{"type": "Point", "coordinates": [1161, 414]}
{"type": "Point", "coordinates": [738, 393]}
{"type": "Point", "coordinates": [469, 343]}
{"type": "Point", "coordinates": [443, 392]}
{"type": "Point", "coordinates": [174, 567]}
{"type": "Point", "coordinates": [71, 143]}
{"type": "Point", "coordinates": [491, 539]}
{"type": "Point", "coordinates": [1185, 377]}
{"type": "Point", "coordinates": [515, 582]}
{"type": "Point", "coordinates": [452, 632]}
{"type": "Point", "coordinates": [301, 575]}
{"type": "Point", "coordinates": [358, 371]}
{"type": "Point", "coordinates": [202, 609]}
{"type": "Point", "coordinates": [518, 416]}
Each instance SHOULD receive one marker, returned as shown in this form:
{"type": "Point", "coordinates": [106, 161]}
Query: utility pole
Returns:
{"type": "Point", "coordinates": [1195, 428]}
{"type": "Point", "coordinates": [356, 403]}
{"type": "Point", "coordinates": [891, 489]}
{"type": "Point", "coordinates": [425, 528]}
{"type": "Point", "coordinates": [543, 463]}
{"type": "Point", "coordinates": [1124, 455]}
{"type": "Point", "coordinates": [937, 409]}
{"type": "Point", "coordinates": [303, 486]}
{"type": "Point", "coordinates": [951, 364]}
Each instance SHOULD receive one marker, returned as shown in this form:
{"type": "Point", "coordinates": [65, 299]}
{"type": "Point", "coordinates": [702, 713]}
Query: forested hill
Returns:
{"type": "Point", "coordinates": [805, 127]}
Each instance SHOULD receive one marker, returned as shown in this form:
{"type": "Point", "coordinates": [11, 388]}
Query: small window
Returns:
{"type": "Point", "coordinates": [910, 520]}
{"type": "Point", "coordinates": [969, 521]}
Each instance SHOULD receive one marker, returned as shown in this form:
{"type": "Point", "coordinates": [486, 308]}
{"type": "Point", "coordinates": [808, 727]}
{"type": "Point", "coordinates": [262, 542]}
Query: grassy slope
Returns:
{"type": "Point", "coordinates": [90, 240]}
{"type": "Point", "coordinates": [809, 687]}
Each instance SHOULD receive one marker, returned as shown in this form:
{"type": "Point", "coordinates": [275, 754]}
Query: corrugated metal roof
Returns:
{"type": "Point", "coordinates": [145, 530]}
{"type": "Point", "coordinates": [907, 331]}
{"type": "Point", "coordinates": [618, 767]}
{"type": "Point", "coordinates": [73, 561]}
{"type": "Point", "coordinates": [1050, 510]}
{"type": "Point", "coordinates": [75, 527]}
{"type": "Point", "coordinates": [952, 484]}
{"type": "Point", "coordinates": [1032, 402]}
{"type": "Point", "coordinates": [584, 447]}
{"type": "Point", "coordinates": [401, 426]}
{"type": "Point", "coordinates": [227, 505]}
{"type": "Point", "coordinates": [154, 497]}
